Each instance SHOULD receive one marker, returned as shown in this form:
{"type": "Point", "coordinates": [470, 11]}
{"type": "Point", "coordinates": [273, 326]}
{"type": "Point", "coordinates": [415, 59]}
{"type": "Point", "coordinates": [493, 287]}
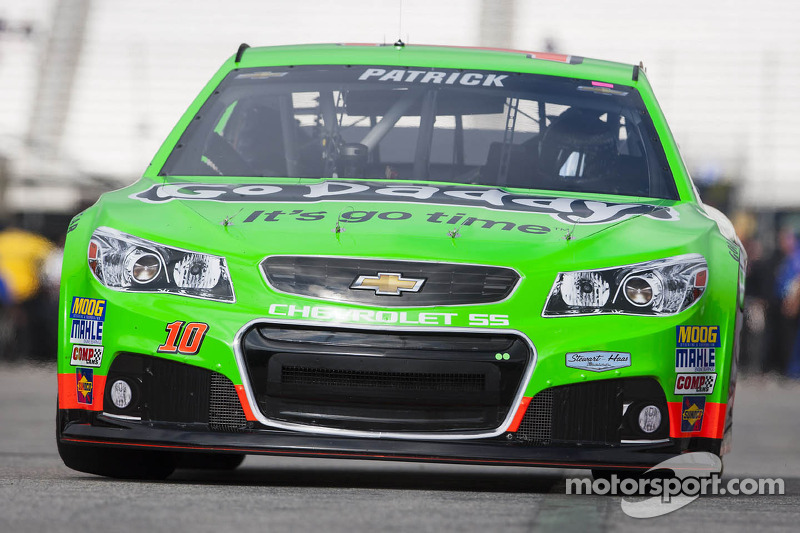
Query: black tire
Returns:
{"type": "Point", "coordinates": [116, 462]}
{"type": "Point", "coordinates": [210, 461]}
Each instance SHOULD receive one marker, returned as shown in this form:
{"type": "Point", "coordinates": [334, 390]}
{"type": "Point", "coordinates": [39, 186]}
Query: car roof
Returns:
{"type": "Point", "coordinates": [436, 56]}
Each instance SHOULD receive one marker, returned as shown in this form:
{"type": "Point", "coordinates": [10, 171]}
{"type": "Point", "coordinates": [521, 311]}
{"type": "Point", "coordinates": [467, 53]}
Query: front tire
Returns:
{"type": "Point", "coordinates": [210, 461]}
{"type": "Point", "coordinates": [117, 463]}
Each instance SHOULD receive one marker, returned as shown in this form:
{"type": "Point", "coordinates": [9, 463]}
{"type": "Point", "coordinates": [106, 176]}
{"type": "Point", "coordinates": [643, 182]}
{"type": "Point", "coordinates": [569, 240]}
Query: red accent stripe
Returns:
{"type": "Point", "coordinates": [248, 413]}
{"type": "Point", "coordinates": [561, 58]}
{"type": "Point", "coordinates": [68, 392]}
{"type": "Point", "coordinates": [713, 421]}
{"type": "Point", "coordinates": [523, 406]}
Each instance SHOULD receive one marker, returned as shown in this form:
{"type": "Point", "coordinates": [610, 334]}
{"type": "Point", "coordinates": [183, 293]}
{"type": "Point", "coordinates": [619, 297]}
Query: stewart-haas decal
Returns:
{"type": "Point", "coordinates": [598, 361]}
{"type": "Point", "coordinates": [570, 210]}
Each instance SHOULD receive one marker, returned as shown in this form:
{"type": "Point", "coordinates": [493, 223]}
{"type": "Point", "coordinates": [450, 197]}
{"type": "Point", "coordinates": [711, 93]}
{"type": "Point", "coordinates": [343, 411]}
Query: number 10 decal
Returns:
{"type": "Point", "coordinates": [190, 339]}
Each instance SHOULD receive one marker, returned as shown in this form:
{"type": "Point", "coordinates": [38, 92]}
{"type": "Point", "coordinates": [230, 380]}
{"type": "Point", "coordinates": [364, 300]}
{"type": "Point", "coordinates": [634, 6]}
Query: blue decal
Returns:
{"type": "Point", "coordinates": [692, 413]}
{"type": "Point", "coordinates": [697, 336]}
{"type": "Point", "coordinates": [85, 384]}
{"type": "Point", "coordinates": [86, 332]}
{"type": "Point", "coordinates": [88, 308]}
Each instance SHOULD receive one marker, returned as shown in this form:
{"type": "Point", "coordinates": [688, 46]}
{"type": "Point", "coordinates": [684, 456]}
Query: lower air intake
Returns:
{"type": "Point", "coordinates": [225, 411]}
{"type": "Point", "coordinates": [603, 412]}
{"type": "Point", "coordinates": [535, 426]}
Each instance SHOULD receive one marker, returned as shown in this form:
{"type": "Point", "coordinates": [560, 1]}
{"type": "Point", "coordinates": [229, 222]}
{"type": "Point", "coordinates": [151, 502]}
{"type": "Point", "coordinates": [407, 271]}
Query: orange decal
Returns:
{"type": "Point", "coordinates": [523, 407]}
{"type": "Point", "coordinates": [68, 392]}
{"type": "Point", "coordinates": [713, 421]}
{"type": "Point", "coordinates": [248, 413]}
{"type": "Point", "coordinates": [561, 58]}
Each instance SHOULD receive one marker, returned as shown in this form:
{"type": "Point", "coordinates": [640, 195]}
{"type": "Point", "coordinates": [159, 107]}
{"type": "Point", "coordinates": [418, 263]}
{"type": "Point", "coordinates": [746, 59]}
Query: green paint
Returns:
{"type": "Point", "coordinates": [135, 322]}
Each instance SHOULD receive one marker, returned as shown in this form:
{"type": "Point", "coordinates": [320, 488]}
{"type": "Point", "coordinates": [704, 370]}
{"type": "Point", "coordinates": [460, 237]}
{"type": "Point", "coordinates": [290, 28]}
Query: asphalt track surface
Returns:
{"type": "Point", "coordinates": [38, 493]}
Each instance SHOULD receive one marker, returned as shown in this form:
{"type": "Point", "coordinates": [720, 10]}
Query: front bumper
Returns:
{"type": "Point", "coordinates": [124, 434]}
{"type": "Point", "coordinates": [587, 425]}
{"type": "Point", "coordinates": [182, 408]}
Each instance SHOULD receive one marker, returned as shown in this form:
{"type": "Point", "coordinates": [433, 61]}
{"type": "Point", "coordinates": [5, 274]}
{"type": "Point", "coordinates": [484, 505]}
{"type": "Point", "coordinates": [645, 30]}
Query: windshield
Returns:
{"type": "Point", "coordinates": [501, 129]}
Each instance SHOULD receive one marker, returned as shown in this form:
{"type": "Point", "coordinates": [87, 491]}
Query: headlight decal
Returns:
{"type": "Point", "coordinates": [660, 287]}
{"type": "Point", "coordinates": [128, 263]}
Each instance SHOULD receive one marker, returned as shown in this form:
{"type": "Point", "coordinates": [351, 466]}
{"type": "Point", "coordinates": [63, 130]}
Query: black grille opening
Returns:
{"type": "Point", "coordinates": [444, 283]}
{"type": "Point", "coordinates": [382, 380]}
{"type": "Point", "coordinates": [407, 381]}
{"type": "Point", "coordinates": [598, 412]}
{"type": "Point", "coordinates": [163, 390]}
{"type": "Point", "coordinates": [169, 391]}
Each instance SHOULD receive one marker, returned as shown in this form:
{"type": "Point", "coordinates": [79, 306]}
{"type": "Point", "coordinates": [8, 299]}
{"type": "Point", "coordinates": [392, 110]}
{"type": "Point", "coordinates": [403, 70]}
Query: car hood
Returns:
{"type": "Point", "coordinates": [461, 223]}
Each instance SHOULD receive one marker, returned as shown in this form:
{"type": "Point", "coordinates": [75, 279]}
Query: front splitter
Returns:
{"type": "Point", "coordinates": [271, 442]}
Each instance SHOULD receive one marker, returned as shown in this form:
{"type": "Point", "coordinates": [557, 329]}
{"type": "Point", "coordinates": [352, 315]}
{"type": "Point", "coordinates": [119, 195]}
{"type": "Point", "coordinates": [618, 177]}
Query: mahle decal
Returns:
{"type": "Point", "coordinates": [695, 360]}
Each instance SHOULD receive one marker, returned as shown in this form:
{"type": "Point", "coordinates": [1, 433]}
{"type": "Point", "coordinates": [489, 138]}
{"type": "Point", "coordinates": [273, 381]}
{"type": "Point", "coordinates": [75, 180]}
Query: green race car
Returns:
{"type": "Point", "coordinates": [415, 253]}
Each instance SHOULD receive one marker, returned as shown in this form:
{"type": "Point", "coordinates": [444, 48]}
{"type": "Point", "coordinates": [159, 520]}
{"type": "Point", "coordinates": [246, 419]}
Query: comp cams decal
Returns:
{"type": "Point", "coordinates": [85, 385]}
{"type": "Point", "coordinates": [696, 348]}
{"type": "Point", "coordinates": [569, 210]}
{"type": "Point", "coordinates": [695, 383]}
{"type": "Point", "coordinates": [692, 411]}
{"type": "Point", "coordinates": [86, 356]}
{"type": "Point", "coordinates": [87, 317]}
{"type": "Point", "coordinates": [598, 361]}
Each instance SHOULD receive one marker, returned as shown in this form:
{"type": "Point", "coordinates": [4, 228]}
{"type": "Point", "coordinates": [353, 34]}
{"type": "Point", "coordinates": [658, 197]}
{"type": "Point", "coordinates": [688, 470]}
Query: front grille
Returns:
{"type": "Point", "coordinates": [331, 278]}
{"type": "Point", "coordinates": [383, 380]}
{"type": "Point", "coordinates": [407, 381]}
{"type": "Point", "coordinates": [225, 410]}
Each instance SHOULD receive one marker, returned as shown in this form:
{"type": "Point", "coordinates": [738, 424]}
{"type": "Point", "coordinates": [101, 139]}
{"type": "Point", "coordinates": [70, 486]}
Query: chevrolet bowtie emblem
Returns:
{"type": "Point", "coordinates": [388, 284]}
